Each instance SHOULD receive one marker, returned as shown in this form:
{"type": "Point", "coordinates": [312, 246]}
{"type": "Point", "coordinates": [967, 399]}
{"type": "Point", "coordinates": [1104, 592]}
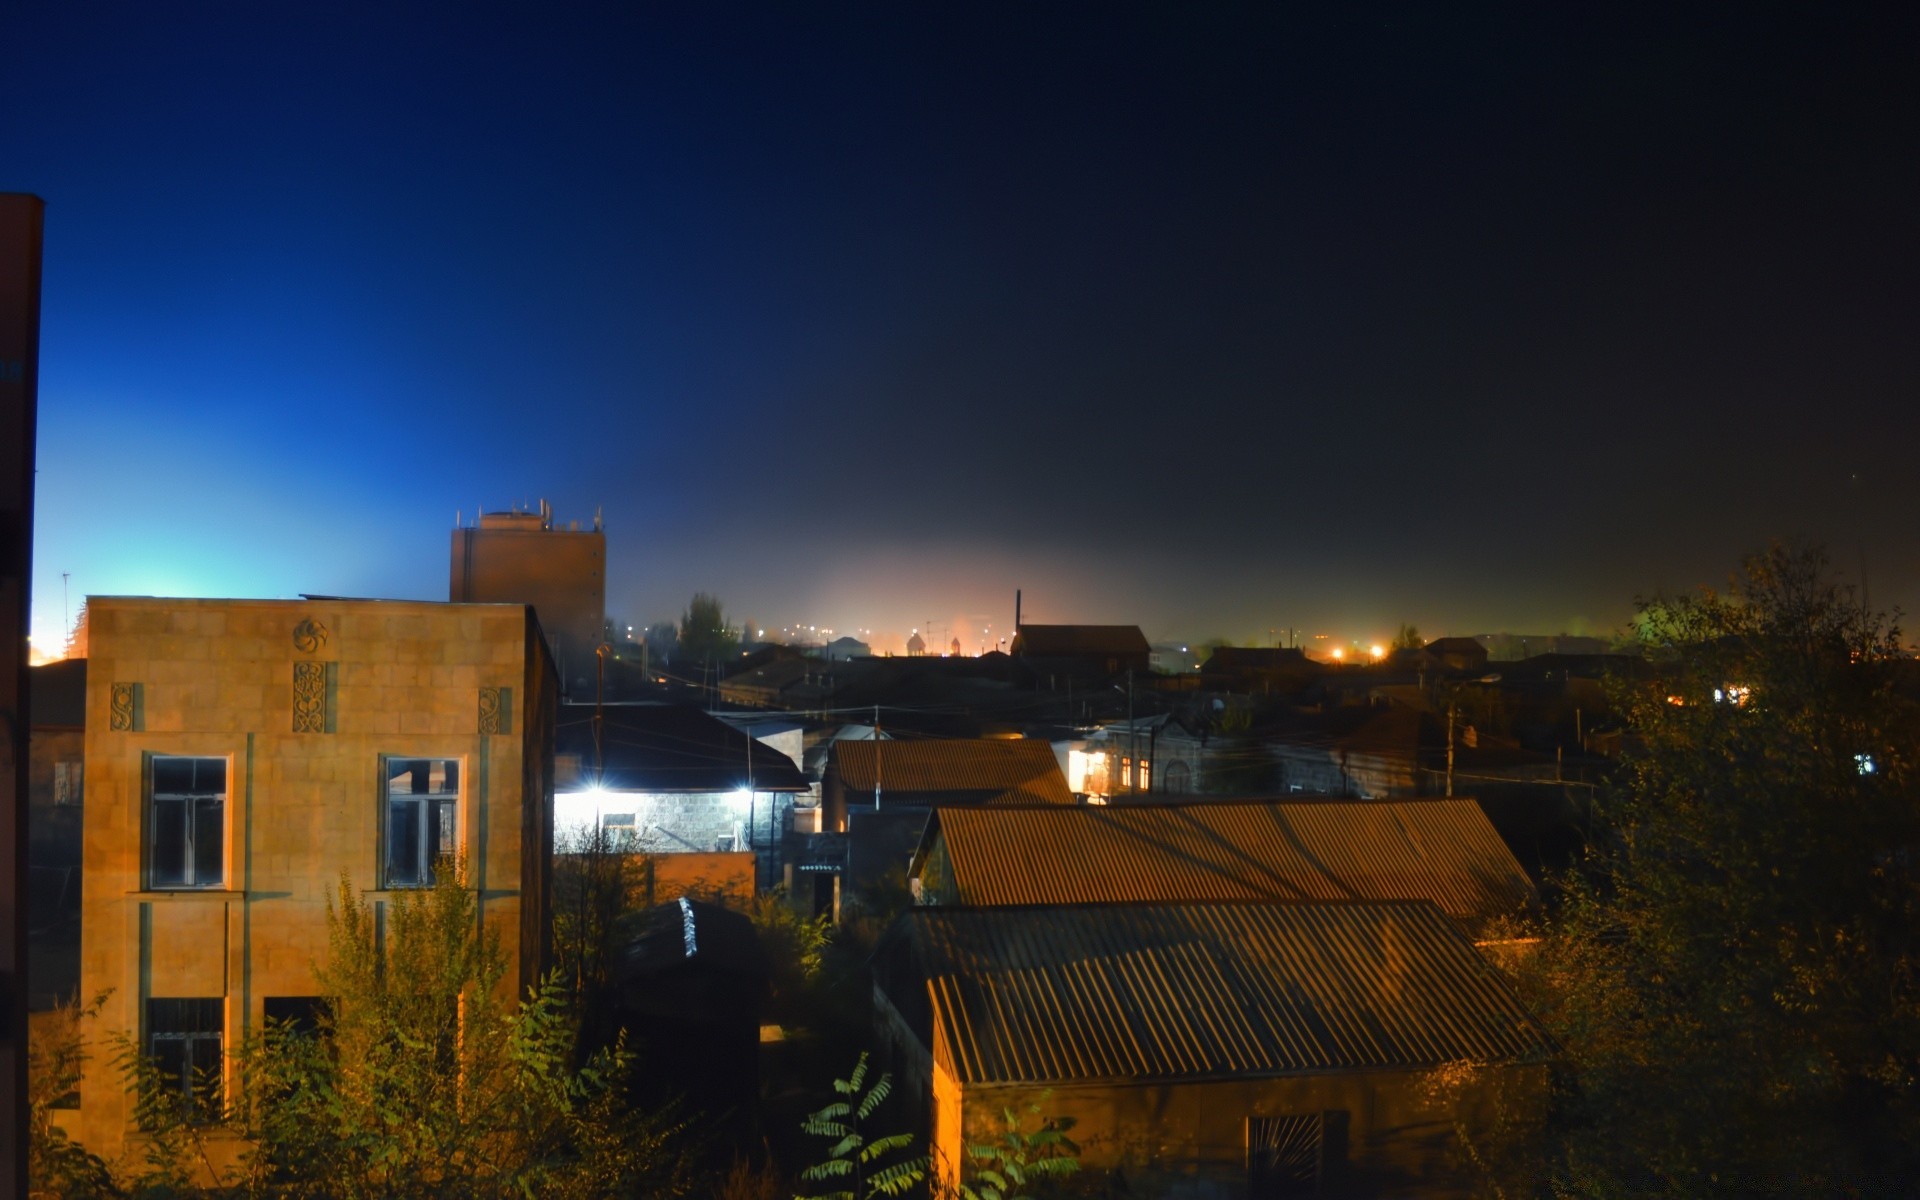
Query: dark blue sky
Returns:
{"type": "Point", "coordinates": [1213, 320]}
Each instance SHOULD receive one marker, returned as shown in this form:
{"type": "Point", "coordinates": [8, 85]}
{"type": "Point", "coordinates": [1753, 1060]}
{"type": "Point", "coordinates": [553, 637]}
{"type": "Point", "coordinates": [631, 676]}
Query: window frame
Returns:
{"type": "Point", "coordinates": [198, 1105]}
{"type": "Point", "coordinates": [428, 803]}
{"type": "Point", "coordinates": [192, 802]}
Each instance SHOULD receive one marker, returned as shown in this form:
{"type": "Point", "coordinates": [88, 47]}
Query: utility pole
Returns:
{"type": "Point", "coordinates": [1133, 740]}
{"type": "Point", "coordinates": [599, 710]}
{"type": "Point", "coordinates": [1449, 749]}
{"type": "Point", "coordinates": [876, 758]}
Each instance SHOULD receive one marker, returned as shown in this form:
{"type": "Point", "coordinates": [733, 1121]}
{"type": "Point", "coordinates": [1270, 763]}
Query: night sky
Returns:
{"type": "Point", "coordinates": [1206, 318]}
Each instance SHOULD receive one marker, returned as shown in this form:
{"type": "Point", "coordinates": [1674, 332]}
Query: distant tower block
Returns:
{"type": "Point", "coordinates": [520, 557]}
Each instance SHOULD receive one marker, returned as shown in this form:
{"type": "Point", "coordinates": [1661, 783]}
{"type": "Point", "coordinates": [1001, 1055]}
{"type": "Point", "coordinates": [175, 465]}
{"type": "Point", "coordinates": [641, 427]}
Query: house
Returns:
{"type": "Point", "coordinates": [1208, 1050]}
{"type": "Point", "coordinates": [1463, 654]}
{"type": "Point", "coordinates": [1140, 758]}
{"type": "Point", "coordinates": [1364, 751]}
{"type": "Point", "coordinates": [1082, 651]}
{"type": "Point", "coordinates": [1280, 851]}
{"type": "Point", "coordinates": [1263, 670]}
{"type": "Point", "coordinates": [845, 649]}
{"type": "Point", "coordinates": [878, 793]}
{"type": "Point", "coordinates": [243, 755]}
{"type": "Point", "coordinates": [670, 779]}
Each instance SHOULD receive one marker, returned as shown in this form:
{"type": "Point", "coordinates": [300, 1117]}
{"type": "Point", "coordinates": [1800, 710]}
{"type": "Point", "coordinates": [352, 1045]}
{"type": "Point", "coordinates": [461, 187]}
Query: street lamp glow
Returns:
{"type": "Point", "coordinates": [1377, 651]}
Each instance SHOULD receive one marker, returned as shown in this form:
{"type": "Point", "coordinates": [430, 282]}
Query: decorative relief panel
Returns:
{"type": "Point", "coordinates": [496, 710]}
{"type": "Point", "coordinates": [310, 697]}
{"type": "Point", "coordinates": [124, 707]}
{"type": "Point", "coordinates": [309, 635]}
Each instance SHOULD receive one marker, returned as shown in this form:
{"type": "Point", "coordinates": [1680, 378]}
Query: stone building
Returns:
{"type": "Point", "coordinates": [241, 755]}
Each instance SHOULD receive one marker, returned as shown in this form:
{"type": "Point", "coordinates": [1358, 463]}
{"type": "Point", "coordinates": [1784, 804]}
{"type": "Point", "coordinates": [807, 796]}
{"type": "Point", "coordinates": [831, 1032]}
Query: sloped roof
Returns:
{"type": "Point", "coordinates": [1455, 645]}
{"type": "Point", "coordinates": [672, 748]}
{"type": "Point", "coordinates": [1254, 658]}
{"type": "Point", "coordinates": [1445, 851]}
{"type": "Point", "coordinates": [1147, 992]}
{"type": "Point", "coordinates": [996, 770]}
{"type": "Point", "coordinates": [1066, 641]}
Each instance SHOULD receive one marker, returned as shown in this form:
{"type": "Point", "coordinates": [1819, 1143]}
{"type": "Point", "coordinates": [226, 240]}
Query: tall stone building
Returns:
{"type": "Point", "coordinates": [242, 754]}
{"type": "Point", "coordinates": [522, 558]}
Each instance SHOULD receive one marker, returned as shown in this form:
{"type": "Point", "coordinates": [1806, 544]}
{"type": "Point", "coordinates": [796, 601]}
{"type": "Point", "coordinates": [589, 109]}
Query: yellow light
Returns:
{"type": "Point", "coordinates": [1377, 651]}
{"type": "Point", "coordinates": [1338, 653]}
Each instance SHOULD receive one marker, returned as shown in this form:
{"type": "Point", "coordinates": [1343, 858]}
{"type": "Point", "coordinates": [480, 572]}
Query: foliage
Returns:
{"type": "Point", "coordinates": [1734, 970]}
{"type": "Point", "coordinates": [56, 1057]}
{"type": "Point", "coordinates": [704, 635]}
{"type": "Point", "coordinates": [1408, 638]}
{"type": "Point", "coordinates": [597, 885]}
{"type": "Point", "coordinates": [856, 1156]}
{"type": "Point", "coordinates": [1021, 1165]}
{"type": "Point", "coordinates": [422, 1080]}
{"type": "Point", "coordinates": [795, 946]}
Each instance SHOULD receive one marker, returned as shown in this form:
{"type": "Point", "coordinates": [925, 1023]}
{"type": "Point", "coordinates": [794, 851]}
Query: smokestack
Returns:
{"type": "Point", "coordinates": [1016, 610]}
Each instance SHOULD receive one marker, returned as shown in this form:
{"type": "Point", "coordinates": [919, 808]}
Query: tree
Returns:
{"type": "Point", "coordinates": [1408, 638]}
{"type": "Point", "coordinates": [1735, 970]}
{"type": "Point", "coordinates": [56, 1055]}
{"type": "Point", "coordinates": [856, 1155]}
{"type": "Point", "coordinates": [422, 1081]}
{"type": "Point", "coordinates": [704, 636]}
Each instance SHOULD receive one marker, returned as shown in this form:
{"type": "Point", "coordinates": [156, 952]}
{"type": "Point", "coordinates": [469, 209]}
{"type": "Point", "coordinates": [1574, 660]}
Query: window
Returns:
{"type": "Point", "coordinates": [187, 845]}
{"type": "Point", "coordinates": [1179, 777]}
{"type": "Point", "coordinates": [298, 1014]}
{"type": "Point", "coordinates": [1126, 772]}
{"type": "Point", "coordinates": [1146, 774]}
{"type": "Point", "coordinates": [66, 782]}
{"type": "Point", "coordinates": [421, 818]}
{"type": "Point", "coordinates": [1284, 1156]}
{"type": "Point", "coordinates": [183, 1041]}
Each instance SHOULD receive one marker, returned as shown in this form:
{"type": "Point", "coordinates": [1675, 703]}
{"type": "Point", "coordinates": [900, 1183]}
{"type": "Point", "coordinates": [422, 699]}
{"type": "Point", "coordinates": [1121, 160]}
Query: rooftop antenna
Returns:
{"type": "Point", "coordinates": [596, 518]}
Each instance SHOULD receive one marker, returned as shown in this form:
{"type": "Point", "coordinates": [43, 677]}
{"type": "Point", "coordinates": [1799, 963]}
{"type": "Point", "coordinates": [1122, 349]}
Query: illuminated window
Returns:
{"type": "Point", "coordinates": [184, 1042]}
{"type": "Point", "coordinates": [1126, 771]}
{"type": "Point", "coordinates": [1146, 775]}
{"type": "Point", "coordinates": [421, 811]}
{"type": "Point", "coordinates": [187, 804]}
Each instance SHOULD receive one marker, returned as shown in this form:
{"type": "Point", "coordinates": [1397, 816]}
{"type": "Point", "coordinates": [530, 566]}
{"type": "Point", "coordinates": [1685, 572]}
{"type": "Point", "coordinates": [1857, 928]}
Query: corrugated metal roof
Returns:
{"type": "Point", "coordinates": [1445, 851]}
{"type": "Point", "coordinates": [1015, 770]}
{"type": "Point", "coordinates": [1183, 991]}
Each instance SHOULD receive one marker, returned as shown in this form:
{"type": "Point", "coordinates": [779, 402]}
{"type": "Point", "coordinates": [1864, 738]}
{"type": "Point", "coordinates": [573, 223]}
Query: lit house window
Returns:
{"type": "Point", "coordinates": [183, 1041]}
{"type": "Point", "coordinates": [421, 811]}
{"type": "Point", "coordinates": [1126, 772]}
{"type": "Point", "coordinates": [1146, 775]}
{"type": "Point", "coordinates": [187, 806]}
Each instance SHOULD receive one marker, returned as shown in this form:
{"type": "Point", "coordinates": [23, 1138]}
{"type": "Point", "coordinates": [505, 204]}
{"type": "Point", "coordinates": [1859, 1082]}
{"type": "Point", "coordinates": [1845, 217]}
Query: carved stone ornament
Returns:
{"type": "Point", "coordinates": [309, 635]}
{"type": "Point", "coordinates": [309, 697]}
{"type": "Point", "coordinates": [490, 710]}
{"type": "Point", "coordinates": [120, 719]}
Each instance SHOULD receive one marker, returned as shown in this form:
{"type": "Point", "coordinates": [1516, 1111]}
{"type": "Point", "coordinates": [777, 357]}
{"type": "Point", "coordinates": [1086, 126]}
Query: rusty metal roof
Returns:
{"type": "Point", "coordinates": [999, 770]}
{"type": "Point", "coordinates": [1184, 991]}
{"type": "Point", "coordinates": [1445, 851]}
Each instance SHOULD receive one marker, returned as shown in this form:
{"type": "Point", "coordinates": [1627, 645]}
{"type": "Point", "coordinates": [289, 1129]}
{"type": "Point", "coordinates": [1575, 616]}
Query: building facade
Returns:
{"type": "Point", "coordinates": [242, 756]}
{"type": "Point", "coordinates": [522, 558]}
